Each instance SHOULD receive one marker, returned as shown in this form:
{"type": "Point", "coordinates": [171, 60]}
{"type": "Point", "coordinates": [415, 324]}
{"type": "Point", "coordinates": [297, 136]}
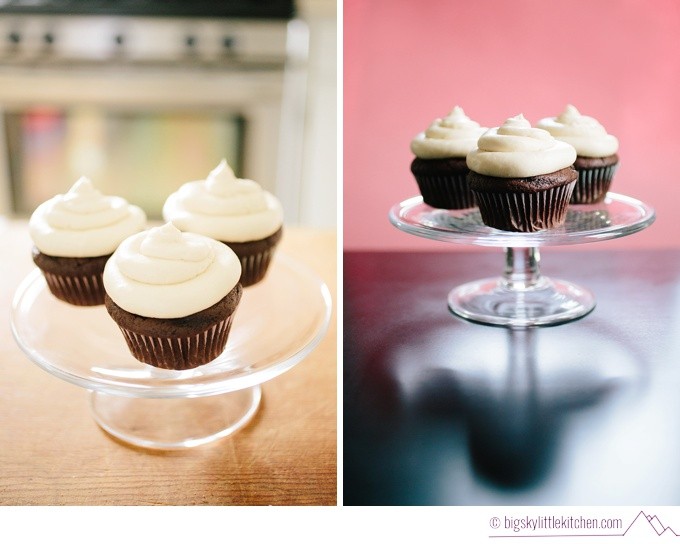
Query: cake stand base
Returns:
{"type": "Point", "coordinates": [522, 297]}
{"type": "Point", "coordinates": [491, 302]}
{"type": "Point", "coordinates": [174, 423]}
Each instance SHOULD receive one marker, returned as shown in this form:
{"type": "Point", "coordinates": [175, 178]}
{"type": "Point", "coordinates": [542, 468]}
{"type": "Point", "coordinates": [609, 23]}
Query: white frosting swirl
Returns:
{"type": "Point", "coordinates": [165, 273]}
{"type": "Point", "coordinates": [586, 134]}
{"type": "Point", "coordinates": [453, 136]}
{"type": "Point", "coordinates": [83, 222]}
{"type": "Point", "coordinates": [516, 150]}
{"type": "Point", "coordinates": [224, 207]}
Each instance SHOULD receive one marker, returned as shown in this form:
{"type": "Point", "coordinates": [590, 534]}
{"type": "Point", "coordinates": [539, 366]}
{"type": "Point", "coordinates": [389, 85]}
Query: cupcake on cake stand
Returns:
{"type": "Point", "coordinates": [277, 324]}
{"type": "Point", "coordinates": [521, 296]}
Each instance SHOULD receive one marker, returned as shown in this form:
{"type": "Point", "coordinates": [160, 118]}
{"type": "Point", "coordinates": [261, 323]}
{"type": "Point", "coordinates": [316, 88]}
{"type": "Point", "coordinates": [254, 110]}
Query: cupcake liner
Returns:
{"type": "Point", "coordinates": [75, 280]}
{"type": "Point", "coordinates": [450, 192]}
{"type": "Point", "coordinates": [87, 290]}
{"type": "Point", "coordinates": [593, 184]}
{"type": "Point", "coordinates": [525, 212]}
{"type": "Point", "coordinates": [176, 352]}
{"type": "Point", "coordinates": [254, 266]}
{"type": "Point", "coordinates": [255, 257]}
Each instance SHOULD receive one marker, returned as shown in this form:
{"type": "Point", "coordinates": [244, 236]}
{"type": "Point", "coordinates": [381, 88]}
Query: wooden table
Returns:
{"type": "Point", "coordinates": [53, 453]}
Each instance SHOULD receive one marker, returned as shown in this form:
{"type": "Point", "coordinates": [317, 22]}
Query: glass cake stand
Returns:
{"type": "Point", "coordinates": [521, 296]}
{"type": "Point", "coordinates": [277, 324]}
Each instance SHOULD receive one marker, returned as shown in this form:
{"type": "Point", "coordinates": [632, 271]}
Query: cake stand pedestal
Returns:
{"type": "Point", "coordinates": [277, 324]}
{"type": "Point", "coordinates": [522, 296]}
{"type": "Point", "coordinates": [171, 424]}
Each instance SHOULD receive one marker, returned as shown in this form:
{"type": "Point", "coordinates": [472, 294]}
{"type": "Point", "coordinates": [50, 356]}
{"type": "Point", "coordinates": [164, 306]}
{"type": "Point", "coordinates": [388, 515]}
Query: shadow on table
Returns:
{"type": "Point", "coordinates": [496, 400]}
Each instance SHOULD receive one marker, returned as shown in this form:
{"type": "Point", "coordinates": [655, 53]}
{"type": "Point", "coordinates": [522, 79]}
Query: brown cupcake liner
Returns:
{"type": "Point", "coordinates": [75, 280]}
{"type": "Point", "coordinates": [179, 353]}
{"type": "Point", "coordinates": [254, 266]}
{"type": "Point", "coordinates": [255, 256]}
{"type": "Point", "coordinates": [450, 192]}
{"type": "Point", "coordinates": [86, 290]}
{"type": "Point", "coordinates": [525, 212]}
{"type": "Point", "coordinates": [593, 184]}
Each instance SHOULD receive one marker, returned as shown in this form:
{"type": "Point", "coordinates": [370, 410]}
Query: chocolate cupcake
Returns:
{"type": "Point", "coordinates": [237, 212]}
{"type": "Point", "coordinates": [173, 295]}
{"type": "Point", "coordinates": [439, 167]}
{"type": "Point", "coordinates": [75, 234]}
{"type": "Point", "coordinates": [521, 177]}
{"type": "Point", "coordinates": [596, 152]}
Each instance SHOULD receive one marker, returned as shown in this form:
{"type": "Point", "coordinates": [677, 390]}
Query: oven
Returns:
{"type": "Point", "coordinates": [142, 96]}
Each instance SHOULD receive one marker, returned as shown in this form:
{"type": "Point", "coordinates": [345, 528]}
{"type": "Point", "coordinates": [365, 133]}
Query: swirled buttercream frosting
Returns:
{"type": "Point", "coordinates": [166, 273]}
{"type": "Point", "coordinates": [452, 136]}
{"type": "Point", "coordinates": [224, 207]}
{"type": "Point", "coordinates": [83, 222]}
{"type": "Point", "coordinates": [586, 134]}
{"type": "Point", "coordinates": [518, 150]}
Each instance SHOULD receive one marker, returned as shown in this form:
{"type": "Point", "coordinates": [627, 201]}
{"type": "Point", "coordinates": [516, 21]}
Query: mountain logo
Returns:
{"type": "Point", "coordinates": [644, 524]}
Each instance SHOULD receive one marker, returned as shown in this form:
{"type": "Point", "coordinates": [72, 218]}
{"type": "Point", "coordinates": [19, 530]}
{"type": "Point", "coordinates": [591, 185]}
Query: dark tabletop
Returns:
{"type": "Point", "coordinates": [438, 410]}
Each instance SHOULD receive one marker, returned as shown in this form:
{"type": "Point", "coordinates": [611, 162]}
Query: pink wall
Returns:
{"type": "Point", "coordinates": [407, 62]}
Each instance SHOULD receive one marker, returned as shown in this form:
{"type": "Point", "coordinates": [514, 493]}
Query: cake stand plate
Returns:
{"type": "Point", "coordinates": [279, 321]}
{"type": "Point", "coordinates": [522, 297]}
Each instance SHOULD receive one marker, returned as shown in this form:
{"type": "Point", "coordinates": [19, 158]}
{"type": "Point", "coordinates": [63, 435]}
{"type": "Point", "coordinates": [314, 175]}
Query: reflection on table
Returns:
{"type": "Point", "coordinates": [441, 411]}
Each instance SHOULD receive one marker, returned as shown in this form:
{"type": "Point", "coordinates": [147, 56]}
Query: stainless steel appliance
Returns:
{"type": "Point", "coordinates": [143, 95]}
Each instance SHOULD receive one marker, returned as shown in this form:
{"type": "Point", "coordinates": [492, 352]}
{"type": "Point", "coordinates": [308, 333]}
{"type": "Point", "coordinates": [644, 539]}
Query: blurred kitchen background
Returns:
{"type": "Point", "coordinates": [144, 95]}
